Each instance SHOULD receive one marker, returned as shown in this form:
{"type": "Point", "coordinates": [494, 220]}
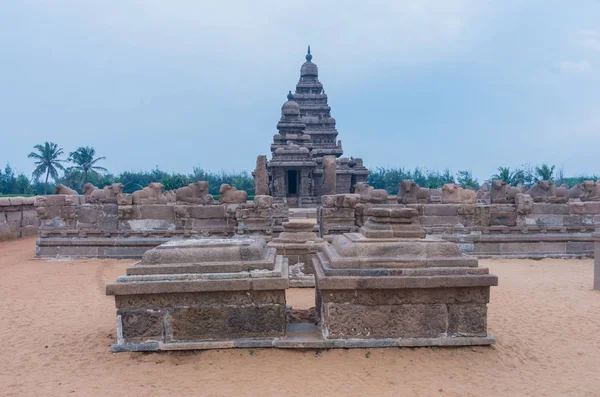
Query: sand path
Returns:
{"type": "Point", "coordinates": [57, 326]}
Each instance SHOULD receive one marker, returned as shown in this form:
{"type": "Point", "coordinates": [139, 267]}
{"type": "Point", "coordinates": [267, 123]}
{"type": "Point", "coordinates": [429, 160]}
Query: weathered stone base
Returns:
{"type": "Point", "coordinates": [538, 245]}
{"type": "Point", "coordinates": [178, 317]}
{"type": "Point", "coordinates": [404, 313]}
{"type": "Point", "coordinates": [303, 336]}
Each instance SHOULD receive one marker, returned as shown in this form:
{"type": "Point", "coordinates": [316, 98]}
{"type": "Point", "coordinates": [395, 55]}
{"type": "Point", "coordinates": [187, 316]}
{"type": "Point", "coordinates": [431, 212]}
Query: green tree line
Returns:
{"type": "Point", "coordinates": [82, 166]}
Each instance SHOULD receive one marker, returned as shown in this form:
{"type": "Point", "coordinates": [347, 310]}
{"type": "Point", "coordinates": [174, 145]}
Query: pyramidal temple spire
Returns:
{"type": "Point", "coordinates": [308, 55]}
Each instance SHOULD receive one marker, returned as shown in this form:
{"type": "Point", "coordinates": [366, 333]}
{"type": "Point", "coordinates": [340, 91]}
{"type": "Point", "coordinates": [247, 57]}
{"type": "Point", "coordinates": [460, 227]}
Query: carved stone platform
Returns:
{"type": "Point", "coordinates": [201, 290]}
{"type": "Point", "coordinates": [400, 287]}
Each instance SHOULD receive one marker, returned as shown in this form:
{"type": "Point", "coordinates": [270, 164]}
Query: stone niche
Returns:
{"type": "Point", "coordinates": [197, 294]}
{"type": "Point", "coordinates": [298, 243]}
{"type": "Point", "coordinates": [389, 286]}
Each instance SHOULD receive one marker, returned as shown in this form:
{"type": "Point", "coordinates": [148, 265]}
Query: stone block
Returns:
{"type": "Point", "coordinates": [213, 225]}
{"type": "Point", "coordinates": [78, 251]}
{"type": "Point", "coordinates": [440, 210]}
{"type": "Point", "coordinates": [440, 220]}
{"type": "Point", "coordinates": [207, 211]}
{"type": "Point", "coordinates": [16, 200]}
{"type": "Point", "coordinates": [550, 208]}
{"type": "Point", "coordinates": [55, 201]}
{"type": "Point", "coordinates": [226, 322]}
{"type": "Point", "coordinates": [467, 320]}
{"type": "Point", "coordinates": [384, 321]}
{"type": "Point", "coordinates": [503, 219]}
{"type": "Point", "coordinates": [29, 231]}
{"type": "Point", "coordinates": [68, 212]}
{"type": "Point", "coordinates": [127, 212]}
{"type": "Point", "coordinates": [592, 207]}
{"type": "Point", "coordinates": [110, 209]}
{"type": "Point", "coordinates": [14, 216]}
{"type": "Point", "coordinates": [4, 202]}
{"type": "Point", "coordinates": [580, 247]}
{"type": "Point", "coordinates": [87, 213]}
{"type": "Point", "coordinates": [164, 212]}
{"type": "Point", "coordinates": [544, 220]}
{"type": "Point", "coordinates": [141, 325]}
{"type": "Point", "coordinates": [150, 224]}
{"type": "Point", "coordinates": [108, 222]}
{"type": "Point", "coordinates": [576, 220]}
{"type": "Point", "coordinates": [30, 218]}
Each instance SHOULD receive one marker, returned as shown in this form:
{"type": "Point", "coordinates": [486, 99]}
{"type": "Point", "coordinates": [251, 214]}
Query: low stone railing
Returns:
{"type": "Point", "coordinates": [17, 218]}
{"type": "Point", "coordinates": [487, 230]}
{"type": "Point", "coordinates": [75, 227]}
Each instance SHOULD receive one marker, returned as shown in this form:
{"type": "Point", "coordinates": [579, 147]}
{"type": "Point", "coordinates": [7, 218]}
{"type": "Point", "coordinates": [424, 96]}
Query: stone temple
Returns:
{"type": "Point", "coordinates": [306, 157]}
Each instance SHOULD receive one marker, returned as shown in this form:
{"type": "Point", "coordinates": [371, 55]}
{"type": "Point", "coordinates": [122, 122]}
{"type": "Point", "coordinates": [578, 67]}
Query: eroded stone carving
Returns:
{"type": "Point", "coordinates": [369, 194]}
{"type": "Point", "coordinates": [62, 189]}
{"type": "Point", "coordinates": [195, 193]}
{"type": "Point", "coordinates": [151, 194]}
{"type": "Point", "coordinates": [543, 192]}
{"type": "Point", "coordinates": [230, 195]}
{"type": "Point", "coordinates": [502, 193]}
{"type": "Point", "coordinates": [88, 188]}
{"type": "Point", "coordinates": [452, 193]}
{"type": "Point", "coordinates": [410, 192]}
{"type": "Point", "coordinates": [261, 178]}
{"type": "Point", "coordinates": [591, 191]}
{"type": "Point", "coordinates": [524, 203]}
{"type": "Point", "coordinates": [329, 175]}
{"type": "Point", "coordinates": [106, 194]}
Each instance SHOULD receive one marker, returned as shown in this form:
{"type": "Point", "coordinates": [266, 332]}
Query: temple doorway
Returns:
{"type": "Point", "coordinates": [292, 185]}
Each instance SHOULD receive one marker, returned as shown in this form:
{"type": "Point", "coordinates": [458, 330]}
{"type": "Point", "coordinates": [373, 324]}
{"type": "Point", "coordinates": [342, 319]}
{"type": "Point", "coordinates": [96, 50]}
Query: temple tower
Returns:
{"type": "Point", "coordinates": [315, 111]}
{"type": "Point", "coordinates": [291, 166]}
{"type": "Point", "coordinates": [306, 134]}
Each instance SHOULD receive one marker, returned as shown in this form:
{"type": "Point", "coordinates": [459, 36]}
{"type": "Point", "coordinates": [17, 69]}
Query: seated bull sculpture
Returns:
{"type": "Point", "coordinates": [230, 195]}
{"type": "Point", "coordinates": [88, 188]}
{"type": "Point", "coordinates": [410, 192]}
{"type": "Point", "coordinates": [106, 194]}
{"type": "Point", "coordinates": [369, 194]}
{"type": "Point", "coordinates": [543, 192]}
{"type": "Point", "coordinates": [62, 189]}
{"type": "Point", "coordinates": [194, 193]}
{"type": "Point", "coordinates": [591, 191]}
{"type": "Point", "coordinates": [151, 194]}
{"type": "Point", "coordinates": [502, 193]}
{"type": "Point", "coordinates": [452, 193]}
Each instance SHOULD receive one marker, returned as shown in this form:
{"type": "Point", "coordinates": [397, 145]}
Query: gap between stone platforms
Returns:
{"type": "Point", "coordinates": [303, 336]}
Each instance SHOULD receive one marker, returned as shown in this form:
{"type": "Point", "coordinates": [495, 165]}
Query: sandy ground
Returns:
{"type": "Point", "coordinates": [57, 326]}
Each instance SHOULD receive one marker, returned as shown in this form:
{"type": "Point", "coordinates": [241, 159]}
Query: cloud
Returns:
{"type": "Point", "coordinates": [588, 39]}
{"type": "Point", "coordinates": [575, 66]}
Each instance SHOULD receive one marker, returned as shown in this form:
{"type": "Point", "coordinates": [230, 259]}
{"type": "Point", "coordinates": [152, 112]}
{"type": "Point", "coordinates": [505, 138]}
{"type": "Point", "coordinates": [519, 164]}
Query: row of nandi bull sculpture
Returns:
{"type": "Point", "coordinates": [194, 193]}
{"type": "Point", "coordinates": [500, 192]}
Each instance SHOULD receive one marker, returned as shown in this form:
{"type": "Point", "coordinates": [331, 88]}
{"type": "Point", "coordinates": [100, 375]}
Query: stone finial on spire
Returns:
{"type": "Point", "coordinates": [290, 96]}
{"type": "Point", "coordinates": [308, 55]}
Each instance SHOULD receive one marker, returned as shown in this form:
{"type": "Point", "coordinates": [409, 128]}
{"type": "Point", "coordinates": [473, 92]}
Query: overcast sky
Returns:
{"type": "Point", "coordinates": [176, 84]}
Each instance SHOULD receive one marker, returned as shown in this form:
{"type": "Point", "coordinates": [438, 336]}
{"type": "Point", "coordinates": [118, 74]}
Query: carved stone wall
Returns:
{"type": "Point", "coordinates": [71, 226]}
{"type": "Point", "coordinates": [18, 218]}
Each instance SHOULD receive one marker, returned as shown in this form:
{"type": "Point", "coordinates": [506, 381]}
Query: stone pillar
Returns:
{"type": "Point", "coordinates": [597, 260]}
{"type": "Point", "coordinates": [329, 175]}
{"type": "Point", "coordinates": [261, 179]}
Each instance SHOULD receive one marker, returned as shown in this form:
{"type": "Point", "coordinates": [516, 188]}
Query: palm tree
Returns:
{"type": "Point", "coordinates": [85, 162]}
{"type": "Point", "coordinates": [47, 161]}
{"type": "Point", "coordinates": [544, 173]}
{"type": "Point", "coordinates": [512, 178]}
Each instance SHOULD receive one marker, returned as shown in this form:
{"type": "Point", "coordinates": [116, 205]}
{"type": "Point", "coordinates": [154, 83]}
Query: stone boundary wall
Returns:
{"type": "Point", "coordinates": [535, 230]}
{"type": "Point", "coordinates": [71, 226]}
{"type": "Point", "coordinates": [18, 218]}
